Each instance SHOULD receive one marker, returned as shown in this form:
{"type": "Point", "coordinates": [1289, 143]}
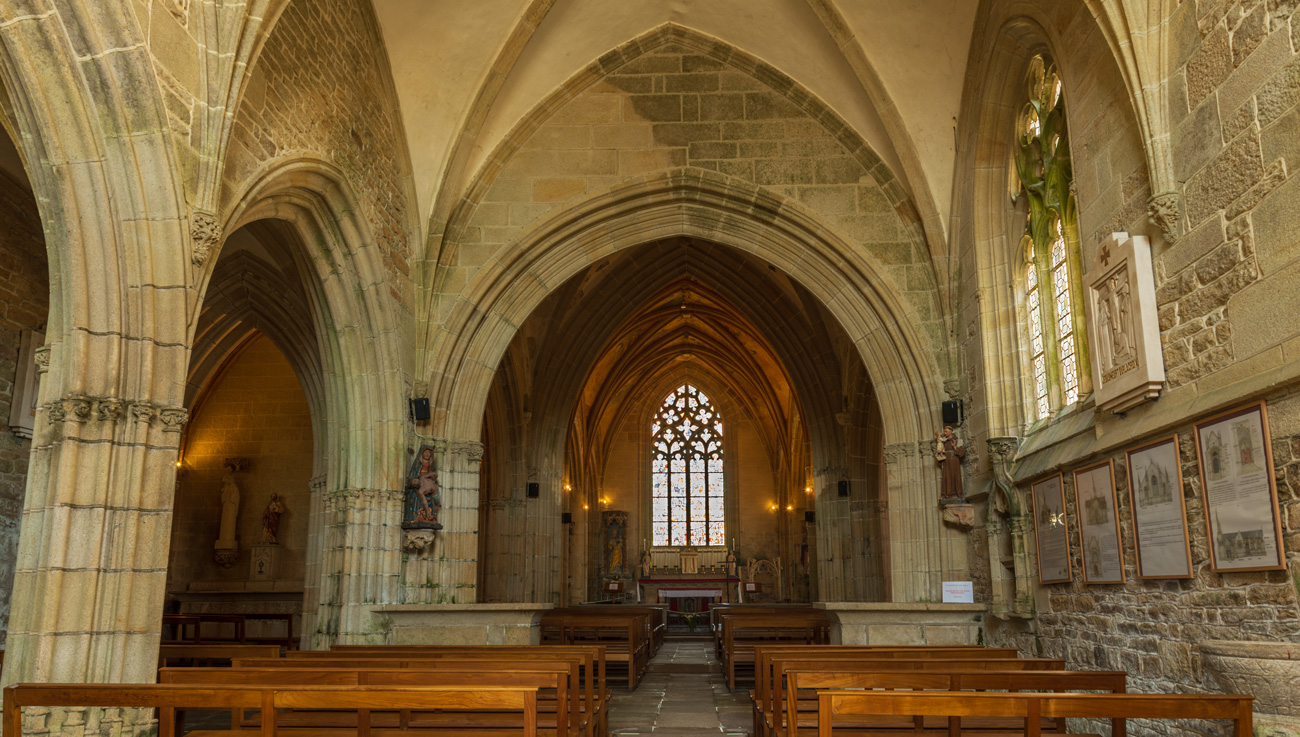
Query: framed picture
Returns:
{"type": "Point", "coordinates": [1050, 531]}
{"type": "Point", "coordinates": [1241, 513]}
{"type": "Point", "coordinates": [1155, 486]}
{"type": "Point", "coordinates": [1097, 515]}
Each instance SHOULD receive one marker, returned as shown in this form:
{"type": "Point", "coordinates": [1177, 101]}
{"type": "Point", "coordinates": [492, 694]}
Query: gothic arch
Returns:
{"type": "Point", "coordinates": [710, 207]}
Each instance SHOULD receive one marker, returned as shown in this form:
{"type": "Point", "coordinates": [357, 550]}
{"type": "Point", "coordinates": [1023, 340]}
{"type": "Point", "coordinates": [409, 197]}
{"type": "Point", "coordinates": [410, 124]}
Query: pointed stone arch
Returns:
{"type": "Point", "coordinates": [695, 204]}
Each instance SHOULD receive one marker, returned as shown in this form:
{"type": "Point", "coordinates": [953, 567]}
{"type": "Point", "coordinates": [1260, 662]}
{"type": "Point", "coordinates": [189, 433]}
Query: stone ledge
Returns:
{"type": "Point", "coordinates": [463, 624]}
{"type": "Point", "coordinates": [243, 587]}
{"type": "Point", "coordinates": [907, 623]}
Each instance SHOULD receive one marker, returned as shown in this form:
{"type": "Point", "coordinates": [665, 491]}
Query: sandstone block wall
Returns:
{"type": "Point", "coordinates": [24, 304]}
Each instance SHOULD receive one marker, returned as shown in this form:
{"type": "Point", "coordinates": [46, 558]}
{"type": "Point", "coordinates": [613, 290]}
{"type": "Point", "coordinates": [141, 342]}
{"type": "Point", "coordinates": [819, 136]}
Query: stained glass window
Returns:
{"type": "Point", "coordinates": [686, 499]}
{"type": "Point", "coordinates": [1041, 174]}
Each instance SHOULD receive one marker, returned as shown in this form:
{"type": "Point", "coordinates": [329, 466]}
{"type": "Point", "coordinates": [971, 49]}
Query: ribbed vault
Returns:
{"type": "Point", "coordinates": [599, 354]}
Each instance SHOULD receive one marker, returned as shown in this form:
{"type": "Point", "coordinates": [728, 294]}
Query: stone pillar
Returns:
{"type": "Point", "coordinates": [457, 556]}
{"type": "Point", "coordinates": [923, 551]}
{"type": "Point", "coordinates": [834, 530]}
{"type": "Point", "coordinates": [92, 555]}
{"type": "Point", "coordinates": [312, 565]}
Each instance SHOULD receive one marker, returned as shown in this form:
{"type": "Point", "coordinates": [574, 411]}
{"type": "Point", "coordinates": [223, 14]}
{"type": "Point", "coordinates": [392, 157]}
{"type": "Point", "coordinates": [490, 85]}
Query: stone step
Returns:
{"type": "Point", "coordinates": [688, 667]}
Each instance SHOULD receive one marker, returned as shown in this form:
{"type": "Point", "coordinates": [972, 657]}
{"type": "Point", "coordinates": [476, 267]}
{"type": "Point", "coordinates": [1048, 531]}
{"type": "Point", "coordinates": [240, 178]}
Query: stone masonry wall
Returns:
{"type": "Point", "coordinates": [677, 106]}
{"type": "Point", "coordinates": [1236, 145]}
{"type": "Point", "coordinates": [320, 89]}
{"type": "Point", "coordinates": [1153, 629]}
{"type": "Point", "coordinates": [24, 304]}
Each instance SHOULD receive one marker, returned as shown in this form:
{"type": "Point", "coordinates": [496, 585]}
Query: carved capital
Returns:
{"type": "Point", "coordinates": [1003, 449]}
{"type": "Point", "coordinates": [316, 484]}
{"type": "Point", "coordinates": [1163, 211]}
{"type": "Point", "coordinates": [205, 231]}
{"type": "Point", "coordinates": [111, 410]}
{"type": "Point", "coordinates": [173, 418]}
{"type": "Point", "coordinates": [73, 409]}
{"type": "Point", "coordinates": [56, 412]}
{"type": "Point", "coordinates": [42, 357]}
{"type": "Point", "coordinates": [895, 452]}
{"type": "Point", "coordinates": [473, 451]}
{"type": "Point", "coordinates": [952, 387]}
{"type": "Point", "coordinates": [143, 411]}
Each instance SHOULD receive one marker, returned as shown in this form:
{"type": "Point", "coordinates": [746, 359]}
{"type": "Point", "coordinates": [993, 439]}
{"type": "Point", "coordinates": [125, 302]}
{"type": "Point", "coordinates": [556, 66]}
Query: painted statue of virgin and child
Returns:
{"type": "Point", "coordinates": [423, 497]}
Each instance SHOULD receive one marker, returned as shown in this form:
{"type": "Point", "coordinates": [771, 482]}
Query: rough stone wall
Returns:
{"type": "Point", "coordinates": [1154, 629]}
{"type": "Point", "coordinates": [256, 410]}
{"type": "Point", "coordinates": [1236, 145]}
{"type": "Point", "coordinates": [680, 107]}
{"type": "Point", "coordinates": [24, 305]}
{"type": "Point", "coordinates": [321, 89]}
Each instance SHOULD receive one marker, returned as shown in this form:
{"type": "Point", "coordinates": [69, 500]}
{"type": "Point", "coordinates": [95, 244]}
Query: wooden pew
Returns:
{"type": "Point", "coordinates": [718, 611]}
{"type": "Point", "coordinates": [591, 660]}
{"type": "Point", "coordinates": [658, 618]}
{"type": "Point", "coordinates": [624, 637]}
{"type": "Point", "coordinates": [209, 652]}
{"type": "Point", "coordinates": [554, 715]}
{"type": "Point", "coordinates": [362, 699]}
{"type": "Point", "coordinates": [768, 656]}
{"type": "Point", "coordinates": [796, 704]}
{"type": "Point", "coordinates": [741, 634]}
{"type": "Point", "coordinates": [839, 706]}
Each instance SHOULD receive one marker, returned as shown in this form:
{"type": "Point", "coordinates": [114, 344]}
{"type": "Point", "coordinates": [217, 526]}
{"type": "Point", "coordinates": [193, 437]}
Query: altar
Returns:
{"type": "Point", "coordinates": [688, 579]}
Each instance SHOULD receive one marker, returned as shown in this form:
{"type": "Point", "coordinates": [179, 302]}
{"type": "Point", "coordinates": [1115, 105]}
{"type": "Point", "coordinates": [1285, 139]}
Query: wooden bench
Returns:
{"type": "Point", "coordinates": [719, 611]}
{"type": "Point", "coordinates": [796, 700]}
{"type": "Point", "coordinates": [658, 618]}
{"type": "Point", "coordinates": [841, 706]}
{"type": "Point", "coordinates": [555, 714]}
{"type": "Point", "coordinates": [586, 664]}
{"type": "Point", "coordinates": [209, 653]}
{"type": "Point", "coordinates": [591, 662]}
{"type": "Point", "coordinates": [624, 637]}
{"type": "Point", "coordinates": [740, 635]}
{"type": "Point", "coordinates": [170, 698]}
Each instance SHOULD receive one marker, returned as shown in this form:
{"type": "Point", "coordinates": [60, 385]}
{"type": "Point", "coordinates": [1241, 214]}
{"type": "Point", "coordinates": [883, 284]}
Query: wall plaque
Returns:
{"type": "Point", "coordinates": [1155, 484]}
{"type": "Point", "coordinates": [1097, 515]}
{"type": "Point", "coordinates": [1123, 330]}
{"type": "Point", "coordinates": [1050, 531]}
{"type": "Point", "coordinates": [1241, 513]}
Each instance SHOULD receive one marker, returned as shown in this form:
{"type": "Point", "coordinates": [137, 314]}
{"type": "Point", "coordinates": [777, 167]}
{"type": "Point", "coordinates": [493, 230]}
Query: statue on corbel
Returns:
{"type": "Point", "coordinates": [226, 549]}
{"type": "Point", "coordinates": [423, 501]}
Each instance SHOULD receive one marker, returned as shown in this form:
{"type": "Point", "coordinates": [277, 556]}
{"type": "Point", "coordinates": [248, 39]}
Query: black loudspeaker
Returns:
{"type": "Point", "coordinates": [420, 409]}
{"type": "Point", "coordinates": [844, 488]}
{"type": "Point", "coordinates": [534, 489]}
{"type": "Point", "coordinates": [809, 516]}
{"type": "Point", "coordinates": [566, 518]}
{"type": "Point", "coordinates": [952, 412]}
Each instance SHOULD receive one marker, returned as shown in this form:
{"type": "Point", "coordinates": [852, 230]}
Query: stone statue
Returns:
{"type": "Point", "coordinates": [646, 565]}
{"type": "Point", "coordinates": [731, 563]}
{"type": "Point", "coordinates": [229, 510]}
{"type": "Point", "coordinates": [948, 451]}
{"type": "Point", "coordinates": [271, 519]}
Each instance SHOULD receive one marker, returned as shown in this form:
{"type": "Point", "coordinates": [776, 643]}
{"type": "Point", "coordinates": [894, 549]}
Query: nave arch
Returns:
{"type": "Point", "coordinates": [708, 207]}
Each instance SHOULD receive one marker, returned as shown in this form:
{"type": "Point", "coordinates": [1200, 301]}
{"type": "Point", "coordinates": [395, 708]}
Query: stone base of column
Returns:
{"type": "Point", "coordinates": [886, 623]}
{"type": "Point", "coordinates": [463, 624]}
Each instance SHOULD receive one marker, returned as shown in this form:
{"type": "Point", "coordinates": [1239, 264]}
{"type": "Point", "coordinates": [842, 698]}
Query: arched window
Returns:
{"type": "Point", "coordinates": [1041, 175]}
{"type": "Point", "coordinates": [686, 500]}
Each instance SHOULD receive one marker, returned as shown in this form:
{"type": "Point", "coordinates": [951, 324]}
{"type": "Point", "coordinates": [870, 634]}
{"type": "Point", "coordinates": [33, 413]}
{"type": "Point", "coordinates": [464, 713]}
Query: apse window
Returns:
{"type": "Point", "coordinates": [686, 471]}
{"type": "Point", "coordinates": [1041, 182]}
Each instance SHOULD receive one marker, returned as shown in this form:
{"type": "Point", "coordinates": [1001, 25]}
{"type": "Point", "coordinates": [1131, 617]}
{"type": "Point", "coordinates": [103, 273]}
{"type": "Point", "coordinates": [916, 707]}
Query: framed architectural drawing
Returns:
{"type": "Point", "coordinates": [1050, 531]}
{"type": "Point", "coordinates": [1155, 485]}
{"type": "Point", "coordinates": [1123, 330]}
{"type": "Point", "coordinates": [22, 410]}
{"type": "Point", "coordinates": [1097, 515]}
{"type": "Point", "coordinates": [1241, 513]}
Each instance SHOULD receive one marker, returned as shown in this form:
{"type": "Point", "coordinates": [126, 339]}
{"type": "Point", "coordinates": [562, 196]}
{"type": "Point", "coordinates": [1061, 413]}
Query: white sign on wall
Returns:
{"type": "Point", "coordinates": [1123, 329]}
{"type": "Point", "coordinates": [958, 592]}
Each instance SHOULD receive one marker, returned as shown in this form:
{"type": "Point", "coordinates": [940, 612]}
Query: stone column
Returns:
{"type": "Point", "coordinates": [360, 562]}
{"type": "Point", "coordinates": [92, 556]}
{"type": "Point", "coordinates": [834, 530]}
{"type": "Point", "coordinates": [923, 551]}
{"type": "Point", "coordinates": [457, 556]}
{"type": "Point", "coordinates": [312, 564]}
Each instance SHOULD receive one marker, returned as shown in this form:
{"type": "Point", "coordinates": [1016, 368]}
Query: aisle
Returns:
{"type": "Point", "coordinates": [682, 695]}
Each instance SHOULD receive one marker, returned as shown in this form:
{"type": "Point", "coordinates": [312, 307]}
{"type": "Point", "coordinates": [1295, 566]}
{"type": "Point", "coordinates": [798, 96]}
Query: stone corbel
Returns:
{"type": "Point", "coordinates": [205, 231]}
{"type": "Point", "coordinates": [416, 541]}
{"type": "Point", "coordinates": [111, 410]}
{"type": "Point", "coordinates": [173, 418]}
{"type": "Point", "coordinates": [1002, 451]}
{"type": "Point", "coordinates": [42, 357]}
{"type": "Point", "coordinates": [143, 411]}
{"type": "Point", "coordinates": [1163, 211]}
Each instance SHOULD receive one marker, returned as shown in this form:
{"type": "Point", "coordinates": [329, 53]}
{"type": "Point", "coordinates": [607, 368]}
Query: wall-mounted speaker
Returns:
{"type": "Point", "coordinates": [952, 412]}
{"type": "Point", "coordinates": [420, 409]}
{"type": "Point", "coordinates": [809, 516]}
{"type": "Point", "coordinates": [844, 488]}
{"type": "Point", "coordinates": [566, 518]}
{"type": "Point", "coordinates": [533, 489]}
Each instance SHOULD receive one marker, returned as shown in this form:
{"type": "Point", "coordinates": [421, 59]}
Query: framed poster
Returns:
{"type": "Point", "coordinates": [1155, 485]}
{"type": "Point", "coordinates": [1241, 514]}
{"type": "Point", "coordinates": [1097, 515]}
{"type": "Point", "coordinates": [1049, 530]}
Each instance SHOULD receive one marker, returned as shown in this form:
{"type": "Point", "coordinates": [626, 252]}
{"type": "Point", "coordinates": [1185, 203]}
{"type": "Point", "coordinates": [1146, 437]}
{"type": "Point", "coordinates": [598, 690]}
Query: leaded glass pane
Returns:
{"type": "Point", "coordinates": [687, 471]}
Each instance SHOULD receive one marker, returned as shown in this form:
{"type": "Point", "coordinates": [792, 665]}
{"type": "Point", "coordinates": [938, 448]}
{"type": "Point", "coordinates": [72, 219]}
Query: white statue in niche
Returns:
{"type": "Point", "coordinates": [229, 510]}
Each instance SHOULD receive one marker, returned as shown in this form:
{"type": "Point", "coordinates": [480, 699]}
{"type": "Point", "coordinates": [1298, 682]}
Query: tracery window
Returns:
{"type": "Point", "coordinates": [1041, 175]}
{"type": "Point", "coordinates": [686, 471]}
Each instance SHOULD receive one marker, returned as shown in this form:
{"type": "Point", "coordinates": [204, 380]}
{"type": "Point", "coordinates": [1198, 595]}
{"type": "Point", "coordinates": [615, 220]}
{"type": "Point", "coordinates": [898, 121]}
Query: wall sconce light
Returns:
{"type": "Point", "coordinates": [568, 488]}
{"type": "Point", "coordinates": [584, 506]}
{"type": "Point", "coordinates": [789, 507]}
{"type": "Point", "coordinates": [807, 489]}
{"type": "Point", "coordinates": [773, 507]}
{"type": "Point", "coordinates": [604, 501]}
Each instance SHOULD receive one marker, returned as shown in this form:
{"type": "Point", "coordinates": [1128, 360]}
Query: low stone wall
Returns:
{"type": "Point", "coordinates": [884, 623]}
{"type": "Point", "coordinates": [462, 624]}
